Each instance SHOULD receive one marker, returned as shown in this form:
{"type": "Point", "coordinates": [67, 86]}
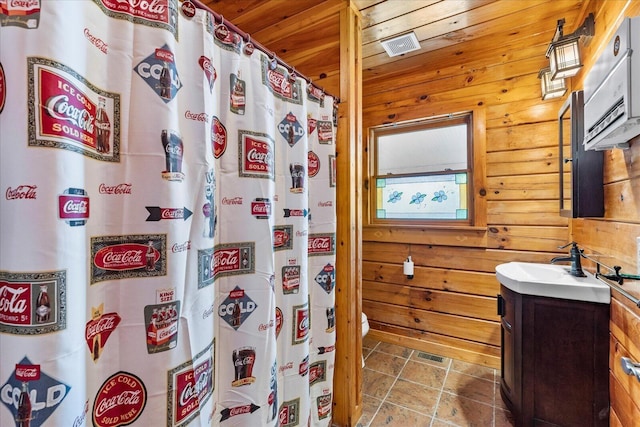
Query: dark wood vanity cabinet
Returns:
{"type": "Point", "coordinates": [554, 360]}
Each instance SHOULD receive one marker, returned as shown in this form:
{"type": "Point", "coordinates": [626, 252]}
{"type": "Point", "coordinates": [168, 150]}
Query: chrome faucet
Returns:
{"type": "Point", "coordinates": [574, 256]}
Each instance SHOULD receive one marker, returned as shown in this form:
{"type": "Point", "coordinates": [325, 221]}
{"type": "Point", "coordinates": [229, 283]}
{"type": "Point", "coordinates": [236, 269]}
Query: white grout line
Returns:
{"type": "Point", "coordinates": [435, 408]}
{"type": "Point", "coordinates": [448, 369]}
{"type": "Point", "coordinates": [392, 384]}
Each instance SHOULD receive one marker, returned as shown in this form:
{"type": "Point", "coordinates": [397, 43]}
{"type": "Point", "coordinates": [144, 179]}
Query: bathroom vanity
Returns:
{"type": "Point", "coordinates": [555, 346]}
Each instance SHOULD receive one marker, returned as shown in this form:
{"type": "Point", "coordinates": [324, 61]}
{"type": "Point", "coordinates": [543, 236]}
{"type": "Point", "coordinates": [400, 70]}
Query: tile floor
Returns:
{"type": "Point", "coordinates": [410, 388]}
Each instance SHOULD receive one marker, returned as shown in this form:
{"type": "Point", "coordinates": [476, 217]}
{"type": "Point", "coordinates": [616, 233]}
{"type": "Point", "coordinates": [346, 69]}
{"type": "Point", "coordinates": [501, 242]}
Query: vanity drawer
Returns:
{"type": "Point", "coordinates": [625, 342]}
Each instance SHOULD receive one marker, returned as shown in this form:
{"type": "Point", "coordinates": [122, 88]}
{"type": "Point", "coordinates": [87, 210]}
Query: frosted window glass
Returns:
{"type": "Point", "coordinates": [426, 150]}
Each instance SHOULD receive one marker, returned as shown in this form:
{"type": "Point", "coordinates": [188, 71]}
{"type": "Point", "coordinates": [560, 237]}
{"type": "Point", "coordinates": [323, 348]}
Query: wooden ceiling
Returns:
{"type": "Point", "coordinates": [452, 33]}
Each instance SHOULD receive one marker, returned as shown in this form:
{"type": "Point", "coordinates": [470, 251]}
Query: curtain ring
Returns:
{"type": "Point", "coordinates": [292, 74]}
{"type": "Point", "coordinates": [248, 46]}
{"type": "Point", "coordinates": [221, 31]}
{"type": "Point", "coordinates": [273, 64]}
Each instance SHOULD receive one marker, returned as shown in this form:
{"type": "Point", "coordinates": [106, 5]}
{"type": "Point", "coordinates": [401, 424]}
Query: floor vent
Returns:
{"type": "Point", "coordinates": [431, 357]}
{"type": "Point", "coordinates": [401, 44]}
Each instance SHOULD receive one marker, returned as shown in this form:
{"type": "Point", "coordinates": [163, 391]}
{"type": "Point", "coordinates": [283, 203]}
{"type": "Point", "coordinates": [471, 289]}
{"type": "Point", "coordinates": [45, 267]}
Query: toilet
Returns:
{"type": "Point", "coordinates": [365, 329]}
{"type": "Point", "coordinates": [365, 325]}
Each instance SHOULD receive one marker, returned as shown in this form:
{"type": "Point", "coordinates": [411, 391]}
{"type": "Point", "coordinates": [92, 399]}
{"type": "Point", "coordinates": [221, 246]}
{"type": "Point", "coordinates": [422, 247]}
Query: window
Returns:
{"type": "Point", "coordinates": [422, 172]}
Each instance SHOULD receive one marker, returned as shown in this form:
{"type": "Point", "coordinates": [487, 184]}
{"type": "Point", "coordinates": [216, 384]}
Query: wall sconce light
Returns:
{"type": "Point", "coordinates": [564, 51]}
{"type": "Point", "coordinates": [551, 88]}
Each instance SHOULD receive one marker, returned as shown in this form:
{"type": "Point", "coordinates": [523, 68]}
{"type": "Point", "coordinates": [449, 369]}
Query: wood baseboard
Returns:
{"type": "Point", "coordinates": [490, 358]}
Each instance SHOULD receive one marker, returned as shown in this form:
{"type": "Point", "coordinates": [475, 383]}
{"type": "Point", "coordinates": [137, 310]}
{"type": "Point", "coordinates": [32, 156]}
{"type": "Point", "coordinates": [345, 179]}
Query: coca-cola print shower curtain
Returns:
{"type": "Point", "coordinates": [167, 222]}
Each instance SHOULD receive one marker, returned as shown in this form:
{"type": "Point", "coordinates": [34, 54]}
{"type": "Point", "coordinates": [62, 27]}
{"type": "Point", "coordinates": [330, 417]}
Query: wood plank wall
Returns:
{"type": "Point", "coordinates": [449, 308]}
{"type": "Point", "coordinates": [615, 235]}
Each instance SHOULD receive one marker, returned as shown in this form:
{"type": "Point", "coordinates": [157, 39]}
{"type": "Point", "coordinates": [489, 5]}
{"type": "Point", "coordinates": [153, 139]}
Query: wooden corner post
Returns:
{"type": "Point", "coordinates": [347, 382]}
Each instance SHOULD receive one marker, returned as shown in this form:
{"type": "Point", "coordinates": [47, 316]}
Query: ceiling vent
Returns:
{"type": "Point", "coordinates": [401, 44]}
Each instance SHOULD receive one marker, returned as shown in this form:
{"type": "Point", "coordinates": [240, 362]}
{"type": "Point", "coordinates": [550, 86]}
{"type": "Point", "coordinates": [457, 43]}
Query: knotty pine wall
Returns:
{"type": "Point", "coordinates": [449, 307]}
{"type": "Point", "coordinates": [615, 236]}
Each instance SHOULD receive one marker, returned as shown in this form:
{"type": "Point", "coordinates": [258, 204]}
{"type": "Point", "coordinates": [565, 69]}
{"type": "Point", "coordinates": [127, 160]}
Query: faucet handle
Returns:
{"type": "Point", "coordinates": [574, 248]}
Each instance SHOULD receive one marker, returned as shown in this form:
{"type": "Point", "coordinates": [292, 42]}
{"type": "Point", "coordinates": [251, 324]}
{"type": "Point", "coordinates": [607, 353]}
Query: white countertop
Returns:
{"type": "Point", "coordinates": [552, 280]}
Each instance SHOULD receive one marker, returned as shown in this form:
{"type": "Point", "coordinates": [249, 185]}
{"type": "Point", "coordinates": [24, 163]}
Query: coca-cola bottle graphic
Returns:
{"type": "Point", "coordinates": [43, 306]}
{"type": "Point", "coordinates": [238, 99]}
{"type": "Point", "coordinates": [103, 127]}
{"type": "Point", "coordinates": [150, 257]}
{"type": "Point", "coordinates": [291, 136]}
{"type": "Point", "coordinates": [245, 258]}
{"type": "Point", "coordinates": [236, 314]}
{"type": "Point", "coordinates": [96, 347]}
{"type": "Point", "coordinates": [331, 318]}
{"type": "Point", "coordinates": [23, 417]}
{"type": "Point", "coordinates": [152, 329]}
{"type": "Point", "coordinates": [297, 176]}
{"type": "Point", "coordinates": [172, 144]}
{"type": "Point", "coordinates": [165, 81]}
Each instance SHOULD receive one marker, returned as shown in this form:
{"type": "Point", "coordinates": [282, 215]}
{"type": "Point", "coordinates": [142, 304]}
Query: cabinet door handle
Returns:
{"type": "Point", "coordinates": [630, 368]}
{"type": "Point", "coordinates": [500, 305]}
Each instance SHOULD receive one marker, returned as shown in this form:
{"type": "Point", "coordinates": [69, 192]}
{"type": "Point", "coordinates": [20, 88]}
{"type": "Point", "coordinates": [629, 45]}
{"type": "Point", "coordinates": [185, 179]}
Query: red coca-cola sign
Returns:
{"type": "Point", "coordinates": [66, 111]}
{"type": "Point", "coordinates": [125, 256]}
{"type": "Point", "coordinates": [71, 113]}
{"type": "Point", "coordinates": [261, 208]}
{"type": "Point", "coordinates": [120, 400]}
{"type": "Point", "coordinates": [311, 125]}
{"type": "Point", "coordinates": [280, 238]}
{"type": "Point", "coordinates": [193, 386]}
{"type": "Point", "coordinates": [209, 70]}
{"type": "Point", "coordinates": [279, 83]}
{"type": "Point", "coordinates": [27, 372]}
{"type": "Point", "coordinates": [315, 93]}
{"type": "Point", "coordinates": [317, 372]}
{"type": "Point", "coordinates": [151, 10]}
{"type": "Point", "coordinates": [313, 164]}
{"type": "Point", "coordinates": [236, 294]}
{"type": "Point", "coordinates": [258, 157]}
{"type": "Point", "coordinates": [218, 137]}
{"type": "Point", "coordinates": [301, 326]}
{"type": "Point", "coordinates": [226, 260]}
{"type": "Point", "coordinates": [102, 327]}
{"type": "Point", "coordinates": [73, 206]}
{"type": "Point", "coordinates": [303, 369]}
{"type": "Point", "coordinates": [15, 303]}
{"type": "Point", "coordinates": [321, 244]}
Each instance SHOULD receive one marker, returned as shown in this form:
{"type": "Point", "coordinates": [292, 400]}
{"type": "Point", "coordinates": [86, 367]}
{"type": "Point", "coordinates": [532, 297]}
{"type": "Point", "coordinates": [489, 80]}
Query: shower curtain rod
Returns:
{"type": "Point", "coordinates": [246, 37]}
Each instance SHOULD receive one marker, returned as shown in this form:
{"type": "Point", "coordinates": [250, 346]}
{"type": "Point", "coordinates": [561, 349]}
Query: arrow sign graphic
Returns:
{"type": "Point", "coordinates": [156, 213]}
{"type": "Point", "coordinates": [295, 212]}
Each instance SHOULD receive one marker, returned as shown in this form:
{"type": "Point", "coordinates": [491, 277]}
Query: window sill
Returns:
{"type": "Point", "coordinates": [445, 235]}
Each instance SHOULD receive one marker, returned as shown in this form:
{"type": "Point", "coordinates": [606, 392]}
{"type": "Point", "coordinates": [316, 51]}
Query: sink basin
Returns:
{"type": "Point", "coordinates": [552, 280]}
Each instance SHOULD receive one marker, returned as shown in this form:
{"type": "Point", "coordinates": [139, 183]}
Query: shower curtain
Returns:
{"type": "Point", "coordinates": [167, 225]}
